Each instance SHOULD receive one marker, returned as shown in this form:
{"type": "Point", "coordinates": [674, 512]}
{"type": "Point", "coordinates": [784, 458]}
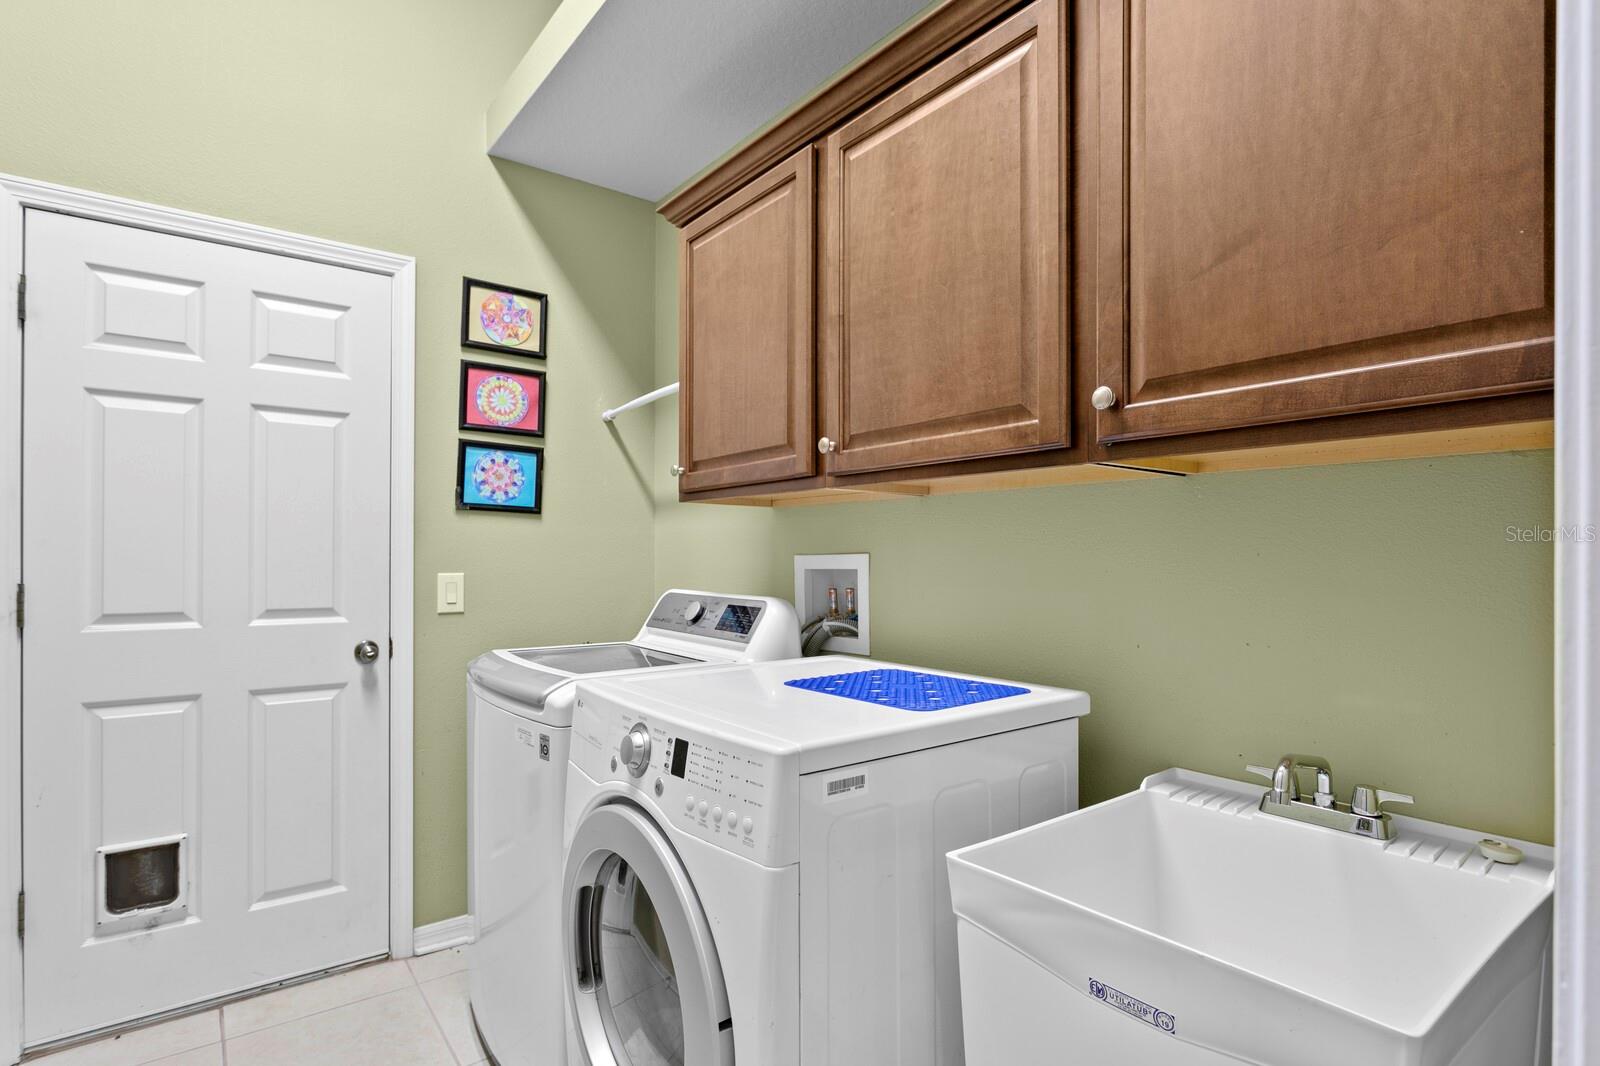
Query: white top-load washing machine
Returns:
{"type": "Point", "coordinates": [519, 713]}
{"type": "Point", "coordinates": [755, 861]}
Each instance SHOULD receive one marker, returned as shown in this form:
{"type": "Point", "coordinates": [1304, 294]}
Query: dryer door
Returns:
{"type": "Point", "coordinates": [642, 970]}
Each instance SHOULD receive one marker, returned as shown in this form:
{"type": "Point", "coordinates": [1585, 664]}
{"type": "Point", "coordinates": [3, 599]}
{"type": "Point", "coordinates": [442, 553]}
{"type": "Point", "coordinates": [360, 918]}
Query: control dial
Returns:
{"type": "Point", "coordinates": [693, 611]}
{"type": "Point", "coordinates": [635, 749]}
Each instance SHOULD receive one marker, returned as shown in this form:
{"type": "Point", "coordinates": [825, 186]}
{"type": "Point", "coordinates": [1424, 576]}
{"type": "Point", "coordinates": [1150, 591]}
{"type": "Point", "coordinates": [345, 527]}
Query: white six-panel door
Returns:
{"type": "Point", "coordinates": [205, 543]}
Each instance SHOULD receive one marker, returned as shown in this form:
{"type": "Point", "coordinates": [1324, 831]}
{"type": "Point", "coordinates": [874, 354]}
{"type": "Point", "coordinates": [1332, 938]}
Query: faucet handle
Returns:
{"type": "Point", "coordinates": [1284, 787]}
{"type": "Point", "coordinates": [1367, 802]}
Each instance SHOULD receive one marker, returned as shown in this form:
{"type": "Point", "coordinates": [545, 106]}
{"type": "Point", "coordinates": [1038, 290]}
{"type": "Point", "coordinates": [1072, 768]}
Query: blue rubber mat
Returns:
{"type": "Point", "coordinates": [907, 689]}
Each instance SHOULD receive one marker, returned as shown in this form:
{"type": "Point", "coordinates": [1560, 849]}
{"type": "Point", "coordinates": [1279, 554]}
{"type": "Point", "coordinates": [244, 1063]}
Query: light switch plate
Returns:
{"type": "Point", "coordinates": [452, 593]}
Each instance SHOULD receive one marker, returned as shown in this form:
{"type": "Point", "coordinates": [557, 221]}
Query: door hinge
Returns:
{"type": "Point", "coordinates": [22, 605]}
{"type": "Point", "coordinates": [22, 298]}
{"type": "Point", "coordinates": [22, 914]}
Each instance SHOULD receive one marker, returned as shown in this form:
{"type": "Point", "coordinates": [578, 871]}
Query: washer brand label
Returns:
{"type": "Point", "coordinates": [1135, 1007]}
{"type": "Point", "coordinates": [840, 787]}
{"type": "Point", "coordinates": [525, 735]}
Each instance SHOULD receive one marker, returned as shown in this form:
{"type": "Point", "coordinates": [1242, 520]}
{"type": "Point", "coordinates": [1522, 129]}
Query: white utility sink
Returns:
{"type": "Point", "coordinates": [1179, 925]}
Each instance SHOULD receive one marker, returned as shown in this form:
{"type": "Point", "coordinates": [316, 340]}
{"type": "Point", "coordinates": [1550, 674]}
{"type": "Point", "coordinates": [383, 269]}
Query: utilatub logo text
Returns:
{"type": "Point", "coordinates": [1137, 1008]}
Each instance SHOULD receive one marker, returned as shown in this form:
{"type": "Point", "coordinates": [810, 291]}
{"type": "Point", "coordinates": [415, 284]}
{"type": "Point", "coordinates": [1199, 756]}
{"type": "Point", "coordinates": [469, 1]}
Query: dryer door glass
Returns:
{"type": "Point", "coordinates": [639, 997]}
{"type": "Point", "coordinates": [645, 983]}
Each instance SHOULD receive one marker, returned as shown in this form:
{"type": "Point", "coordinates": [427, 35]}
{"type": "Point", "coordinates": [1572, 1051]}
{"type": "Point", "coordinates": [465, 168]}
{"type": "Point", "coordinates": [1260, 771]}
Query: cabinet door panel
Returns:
{"type": "Point", "coordinates": [942, 242]}
{"type": "Point", "coordinates": [1321, 207]}
{"type": "Point", "coordinates": [746, 352]}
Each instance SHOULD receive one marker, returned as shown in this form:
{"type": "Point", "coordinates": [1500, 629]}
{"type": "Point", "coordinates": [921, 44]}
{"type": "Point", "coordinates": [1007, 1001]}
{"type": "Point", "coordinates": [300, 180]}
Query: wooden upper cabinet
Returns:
{"type": "Point", "coordinates": [942, 235]}
{"type": "Point", "coordinates": [1320, 207]}
{"type": "Point", "coordinates": [746, 352]}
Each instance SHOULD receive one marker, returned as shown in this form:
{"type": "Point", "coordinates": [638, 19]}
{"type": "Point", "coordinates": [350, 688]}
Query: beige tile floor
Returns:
{"type": "Point", "coordinates": [411, 1013]}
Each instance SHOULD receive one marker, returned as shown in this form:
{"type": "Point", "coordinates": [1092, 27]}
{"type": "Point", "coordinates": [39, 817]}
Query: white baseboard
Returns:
{"type": "Point", "coordinates": [450, 933]}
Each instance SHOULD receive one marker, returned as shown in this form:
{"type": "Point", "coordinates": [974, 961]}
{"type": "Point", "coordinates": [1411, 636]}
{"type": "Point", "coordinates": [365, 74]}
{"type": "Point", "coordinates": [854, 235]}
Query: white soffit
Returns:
{"type": "Point", "coordinates": [640, 95]}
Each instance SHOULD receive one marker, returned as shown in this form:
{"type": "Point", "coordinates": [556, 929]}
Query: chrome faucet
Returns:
{"type": "Point", "coordinates": [1363, 815]}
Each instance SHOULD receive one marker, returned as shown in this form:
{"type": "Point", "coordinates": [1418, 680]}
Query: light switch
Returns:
{"type": "Point", "coordinates": [452, 593]}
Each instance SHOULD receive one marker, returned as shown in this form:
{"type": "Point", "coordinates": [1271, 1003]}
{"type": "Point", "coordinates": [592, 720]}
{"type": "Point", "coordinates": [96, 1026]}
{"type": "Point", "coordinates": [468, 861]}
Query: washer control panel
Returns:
{"type": "Point", "coordinates": [716, 617]}
{"type": "Point", "coordinates": [716, 790]}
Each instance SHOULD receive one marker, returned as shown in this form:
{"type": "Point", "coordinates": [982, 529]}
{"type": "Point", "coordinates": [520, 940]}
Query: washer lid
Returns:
{"type": "Point", "coordinates": [598, 658]}
{"type": "Point", "coordinates": [530, 675]}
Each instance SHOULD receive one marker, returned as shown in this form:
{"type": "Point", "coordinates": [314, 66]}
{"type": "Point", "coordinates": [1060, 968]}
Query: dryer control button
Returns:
{"type": "Point", "coordinates": [635, 749]}
{"type": "Point", "coordinates": [704, 806]}
{"type": "Point", "coordinates": [716, 815]}
{"type": "Point", "coordinates": [749, 826]}
{"type": "Point", "coordinates": [733, 820]}
{"type": "Point", "coordinates": [688, 804]}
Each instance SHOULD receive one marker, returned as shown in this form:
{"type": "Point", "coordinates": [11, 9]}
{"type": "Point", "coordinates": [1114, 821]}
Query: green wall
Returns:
{"type": "Point", "coordinates": [362, 121]}
{"type": "Point", "coordinates": [1375, 614]}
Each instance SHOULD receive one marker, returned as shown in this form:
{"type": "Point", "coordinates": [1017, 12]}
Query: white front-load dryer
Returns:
{"type": "Point", "coordinates": [519, 713]}
{"type": "Point", "coordinates": [755, 862]}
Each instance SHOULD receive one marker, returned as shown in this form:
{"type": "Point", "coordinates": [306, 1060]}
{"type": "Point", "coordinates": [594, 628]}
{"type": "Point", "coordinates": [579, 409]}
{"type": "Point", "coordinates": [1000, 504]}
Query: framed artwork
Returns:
{"type": "Point", "coordinates": [498, 399]}
{"type": "Point", "coordinates": [499, 318]}
{"type": "Point", "coordinates": [495, 477]}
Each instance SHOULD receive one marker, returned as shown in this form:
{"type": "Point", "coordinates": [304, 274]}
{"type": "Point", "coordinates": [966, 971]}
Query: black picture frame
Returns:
{"type": "Point", "coordinates": [467, 366]}
{"type": "Point", "coordinates": [463, 504]}
{"type": "Point", "coordinates": [468, 341]}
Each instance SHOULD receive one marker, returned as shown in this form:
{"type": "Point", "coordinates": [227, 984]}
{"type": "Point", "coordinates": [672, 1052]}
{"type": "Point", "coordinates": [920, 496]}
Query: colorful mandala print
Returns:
{"type": "Point", "coordinates": [502, 400]}
{"type": "Point", "coordinates": [498, 477]}
{"type": "Point", "coordinates": [506, 319]}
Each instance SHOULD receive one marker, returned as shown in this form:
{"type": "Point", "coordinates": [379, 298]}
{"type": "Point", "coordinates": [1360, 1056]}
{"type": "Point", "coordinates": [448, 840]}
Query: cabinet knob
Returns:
{"type": "Point", "coordinates": [825, 446]}
{"type": "Point", "coordinates": [677, 471]}
{"type": "Point", "coordinates": [1103, 399]}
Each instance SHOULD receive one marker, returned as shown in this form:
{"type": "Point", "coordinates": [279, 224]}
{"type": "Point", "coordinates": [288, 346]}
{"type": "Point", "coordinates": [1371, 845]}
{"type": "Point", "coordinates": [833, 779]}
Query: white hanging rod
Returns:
{"type": "Point", "coordinates": [650, 397]}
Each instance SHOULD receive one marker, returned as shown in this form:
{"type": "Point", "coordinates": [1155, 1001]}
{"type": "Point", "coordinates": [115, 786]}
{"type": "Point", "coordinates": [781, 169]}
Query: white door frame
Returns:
{"type": "Point", "coordinates": [1577, 1001]}
{"type": "Point", "coordinates": [16, 194]}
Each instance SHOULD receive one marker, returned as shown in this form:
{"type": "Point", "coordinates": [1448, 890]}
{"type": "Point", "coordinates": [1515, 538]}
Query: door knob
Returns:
{"type": "Point", "coordinates": [677, 471]}
{"type": "Point", "coordinates": [1103, 399]}
{"type": "Point", "coordinates": [367, 652]}
{"type": "Point", "coordinates": [825, 446]}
